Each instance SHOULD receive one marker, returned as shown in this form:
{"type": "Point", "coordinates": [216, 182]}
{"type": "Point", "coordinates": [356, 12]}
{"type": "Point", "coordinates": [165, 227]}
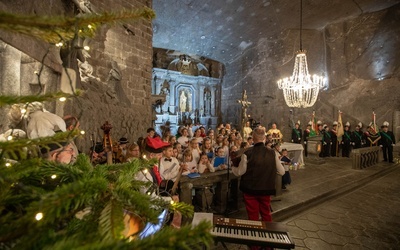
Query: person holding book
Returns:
{"type": "Point", "coordinates": [220, 161]}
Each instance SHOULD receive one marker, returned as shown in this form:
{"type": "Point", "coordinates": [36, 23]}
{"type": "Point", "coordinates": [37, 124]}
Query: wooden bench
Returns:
{"type": "Point", "coordinates": [224, 184]}
{"type": "Point", "coordinates": [365, 157]}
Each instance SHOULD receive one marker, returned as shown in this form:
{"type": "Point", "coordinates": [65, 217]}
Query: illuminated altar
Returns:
{"type": "Point", "coordinates": [189, 99]}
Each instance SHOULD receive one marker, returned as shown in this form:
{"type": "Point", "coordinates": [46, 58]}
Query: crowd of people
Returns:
{"type": "Point", "coordinates": [332, 145]}
{"type": "Point", "coordinates": [256, 155]}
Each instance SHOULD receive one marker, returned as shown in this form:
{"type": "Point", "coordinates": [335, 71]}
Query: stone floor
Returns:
{"type": "Point", "coordinates": [331, 206]}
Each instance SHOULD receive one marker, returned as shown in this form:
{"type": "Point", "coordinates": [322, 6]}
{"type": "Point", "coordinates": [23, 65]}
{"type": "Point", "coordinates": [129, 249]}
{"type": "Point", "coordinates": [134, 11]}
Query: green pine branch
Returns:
{"type": "Point", "coordinates": [9, 100]}
{"type": "Point", "coordinates": [104, 191]}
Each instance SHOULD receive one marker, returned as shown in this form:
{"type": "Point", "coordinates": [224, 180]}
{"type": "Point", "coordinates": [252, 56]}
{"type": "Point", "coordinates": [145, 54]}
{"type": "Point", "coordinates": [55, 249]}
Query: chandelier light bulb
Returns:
{"type": "Point", "coordinates": [39, 216]}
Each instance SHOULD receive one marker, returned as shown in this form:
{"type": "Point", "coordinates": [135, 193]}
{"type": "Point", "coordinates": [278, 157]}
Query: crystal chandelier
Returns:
{"type": "Point", "coordinates": [301, 90]}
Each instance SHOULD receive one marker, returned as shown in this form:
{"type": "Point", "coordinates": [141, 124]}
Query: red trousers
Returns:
{"type": "Point", "coordinates": [256, 205]}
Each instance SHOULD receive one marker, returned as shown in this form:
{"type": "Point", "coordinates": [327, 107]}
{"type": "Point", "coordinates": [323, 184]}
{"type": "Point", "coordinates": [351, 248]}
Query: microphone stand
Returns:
{"type": "Point", "coordinates": [227, 211]}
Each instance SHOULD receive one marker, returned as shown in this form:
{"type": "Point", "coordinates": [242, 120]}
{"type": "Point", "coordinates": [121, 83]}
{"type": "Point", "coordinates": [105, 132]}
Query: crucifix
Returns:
{"type": "Point", "coordinates": [245, 104]}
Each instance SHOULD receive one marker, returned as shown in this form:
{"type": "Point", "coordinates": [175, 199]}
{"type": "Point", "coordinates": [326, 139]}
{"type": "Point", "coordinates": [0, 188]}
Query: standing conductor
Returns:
{"type": "Point", "coordinates": [258, 168]}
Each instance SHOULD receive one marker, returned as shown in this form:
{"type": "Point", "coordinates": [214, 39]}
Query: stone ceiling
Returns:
{"type": "Point", "coordinates": [223, 29]}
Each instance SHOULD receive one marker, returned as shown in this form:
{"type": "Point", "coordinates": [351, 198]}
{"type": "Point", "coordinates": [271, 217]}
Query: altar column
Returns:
{"type": "Point", "coordinates": [201, 104]}
{"type": "Point", "coordinates": [158, 84]}
{"type": "Point", "coordinates": [172, 102]}
{"type": "Point", "coordinates": [213, 90]}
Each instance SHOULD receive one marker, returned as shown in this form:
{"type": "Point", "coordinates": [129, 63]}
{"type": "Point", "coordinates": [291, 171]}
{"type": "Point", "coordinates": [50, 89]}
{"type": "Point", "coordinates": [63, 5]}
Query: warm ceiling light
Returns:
{"type": "Point", "coordinates": [301, 89]}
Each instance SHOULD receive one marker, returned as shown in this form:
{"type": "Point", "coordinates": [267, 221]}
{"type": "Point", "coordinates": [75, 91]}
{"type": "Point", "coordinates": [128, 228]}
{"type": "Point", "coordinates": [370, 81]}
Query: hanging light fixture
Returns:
{"type": "Point", "coordinates": [301, 90]}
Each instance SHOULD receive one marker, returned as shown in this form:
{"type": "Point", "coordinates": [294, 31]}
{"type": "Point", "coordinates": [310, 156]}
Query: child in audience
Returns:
{"type": "Point", "coordinates": [184, 138]}
{"type": "Point", "coordinates": [207, 148]}
{"type": "Point", "coordinates": [225, 146]}
{"type": "Point", "coordinates": [219, 161]}
{"type": "Point", "coordinates": [244, 144]}
{"type": "Point", "coordinates": [204, 165]}
{"type": "Point", "coordinates": [178, 151]}
{"type": "Point", "coordinates": [286, 162]}
{"type": "Point", "coordinates": [189, 166]}
{"type": "Point", "coordinates": [197, 136]}
{"type": "Point", "coordinates": [194, 146]}
{"type": "Point", "coordinates": [169, 169]}
{"type": "Point", "coordinates": [133, 152]}
{"type": "Point", "coordinates": [172, 140]}
{"type": "Point", "coordinates": [219, 141]}
{"type": "Point", "coordinates": [250, 140]}
{"type": "Point", "coordinates": [169, 165]}
{"type": "Point", "coordinates": [211, 135]}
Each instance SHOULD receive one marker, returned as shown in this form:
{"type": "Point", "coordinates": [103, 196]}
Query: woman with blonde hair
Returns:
{"type": "Point", "coordinates": [132, 152]}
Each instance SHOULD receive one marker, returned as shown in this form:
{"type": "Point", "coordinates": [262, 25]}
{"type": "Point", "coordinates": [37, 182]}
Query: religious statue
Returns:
{"type": "Point", "coordinates": [84, 6]}
{"type": "Point", "coordinates": [165, 91]}
{"type": "Point", "coordinates": [182, 101]}
{"type": "Point", "coordinates": [86, 71]}
{"type": "Point", "coordinates": [114, 82]}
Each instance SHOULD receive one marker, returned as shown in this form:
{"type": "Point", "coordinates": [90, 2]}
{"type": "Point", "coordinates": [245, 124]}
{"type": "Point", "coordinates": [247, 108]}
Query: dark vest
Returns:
{"type": "Point", "coordinates": [260, 175]}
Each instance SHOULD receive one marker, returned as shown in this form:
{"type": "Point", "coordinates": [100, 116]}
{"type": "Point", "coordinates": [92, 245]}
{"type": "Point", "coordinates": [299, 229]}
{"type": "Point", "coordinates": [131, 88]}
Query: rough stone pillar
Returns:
{"type": "Point", "coordinates": [213, 90]}
{"type": "Point", "coordinates": [10, 69]}
{"type": "Point", "coordinates": [10, 77]}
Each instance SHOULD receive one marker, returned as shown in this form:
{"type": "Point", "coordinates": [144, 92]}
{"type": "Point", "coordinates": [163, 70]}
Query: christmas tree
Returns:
{"type": "Point", "coordinates": [49, 205]}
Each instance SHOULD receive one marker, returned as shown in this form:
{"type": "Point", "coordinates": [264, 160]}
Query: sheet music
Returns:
{"type": "Point", "coordinates": [198, 217]}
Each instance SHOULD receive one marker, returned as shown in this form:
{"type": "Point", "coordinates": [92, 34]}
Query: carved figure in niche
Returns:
{"type": "Point", "coordinates": [86, 71]}
{"type": "Point", "coordinates": [185, 65]}
{"type": "Point", "coordinates": [182, 101]}
{"type": "Point", "coordinates": [207, 102]}
{"type": "Point", "coordinates": [71, 54]}
{"type": "Point", "coordinates": [84, 6]}
{"type": "Point", "coordinates": [114, 81]}
{"type": "Point", "coordinates": [165, 91]}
